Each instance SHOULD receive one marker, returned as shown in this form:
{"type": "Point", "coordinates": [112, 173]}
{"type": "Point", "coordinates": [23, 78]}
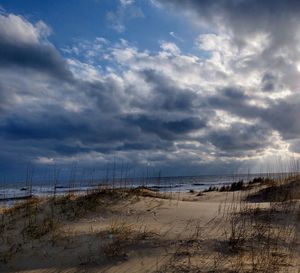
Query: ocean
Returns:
{"type": "Point", "coordinates": [9, 192]}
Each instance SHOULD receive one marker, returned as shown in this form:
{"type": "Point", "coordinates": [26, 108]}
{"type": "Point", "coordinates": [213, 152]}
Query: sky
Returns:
{"type": "Point", "coordinates": [187, 87]}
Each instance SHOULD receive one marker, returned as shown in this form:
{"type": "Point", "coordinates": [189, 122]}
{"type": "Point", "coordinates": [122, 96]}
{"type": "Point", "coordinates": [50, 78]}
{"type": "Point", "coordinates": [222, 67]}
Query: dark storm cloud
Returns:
{"type": "Point", "coordinates": [240, 138]}
{"type": "Point", "coordinates": [56, 124]}
{"type": "Point", "coordinates": [41, 58]}
{"type": "Point", "coordinates": [150, 145]}
{"type": "Point", "coordinates": [280, 115]}
{"type": "Point", "coordinates": [283, 116]}
{"type": "Point", "coordinates": [169, 130]}
{"type": "Point", "coordinates": [42, 126]}
{"type": "Point", "coordinates": [295, 146]}
{"type": "Point", "coordinates": [230, 96]}
{"type": "Point", "coordinates": [4, 99]}
{"type": "Point", "coordinates": [233, 100]}
{"type": "Point", "coordinates": [268, 82]}
{"type": "Point", "coordinates": [23, 45]}
{"type": "Point", "coordinates": [246, 15]}
{"type": "Point", "coordinates": [107, 94]}
{"type": "Point", "coordinates": [69, 149]}
{"type": "Point", "coordinates": [166, 95]}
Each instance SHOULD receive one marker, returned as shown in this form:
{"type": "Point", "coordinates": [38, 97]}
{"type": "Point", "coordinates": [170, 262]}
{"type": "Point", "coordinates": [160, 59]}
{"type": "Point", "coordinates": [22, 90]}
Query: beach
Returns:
{"type": "Point", "coordinates": [141, 230]}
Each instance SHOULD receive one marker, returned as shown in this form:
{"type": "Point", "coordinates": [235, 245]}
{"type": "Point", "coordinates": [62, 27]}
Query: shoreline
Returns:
{"type": "Point", "coordinates": [9, 193]}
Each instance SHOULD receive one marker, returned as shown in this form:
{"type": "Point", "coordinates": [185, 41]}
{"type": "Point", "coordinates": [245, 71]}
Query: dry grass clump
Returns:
{"type": "Point", "coordinates": [121, 236]}
{"type": "Point", "coordinates": [281, 192]}
{"type": "Point", "coordinates": [11, 219]}
{"type": "Point", "coordinates": [120, 228]}
{"type": "Point", "coordinates": [39, 228]}
{"type": "Point", "coordinates": [243, 186]}
{"type": "Point", "coordinates": [34, 218]}
{"type": "Point", "coordinates": [74, 206]}
{"type": "Point", "coordinates": [22, 222]}
{"type": "Point", "coordinates": [262, 239]}
{"type": "Point", "coordinates": [116, 243]}
{"type": "Point", "coordinates": [71, 206]}
{"type": "Point", "coordinates": [20, 211]}
{"type": "Point", "coordinates": [147, 192]}
{"type": "Point", "coordinates": [7, 254]}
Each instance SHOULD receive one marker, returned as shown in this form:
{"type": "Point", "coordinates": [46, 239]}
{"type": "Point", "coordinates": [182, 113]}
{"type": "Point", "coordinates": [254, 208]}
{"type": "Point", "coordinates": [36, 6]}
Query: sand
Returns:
{"type": "Point", "coordinates": [134, 234]}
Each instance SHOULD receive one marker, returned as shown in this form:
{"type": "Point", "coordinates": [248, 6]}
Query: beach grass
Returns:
{"type": "Point", "coordinates": [246, 227]}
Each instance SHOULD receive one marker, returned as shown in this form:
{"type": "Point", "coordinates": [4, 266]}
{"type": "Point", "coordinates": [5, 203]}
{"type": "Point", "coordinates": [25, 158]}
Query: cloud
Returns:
{"type": "Point", "coordinates": [233, 104]}
{"type": "Point", "coordinates": [127, 10]}
{"type": "Point", "coordinates": [170, 48]}
{"type": "Point", "coordinates": [127, 2]}
{"type": "Point", "coordinates": [166, 129]}
{"type": "Point", "coordinates": [175, 36]}
{"type": "Point", "coordinates": [15, 29]}
{"type": "Point", "coordinates": [241, 139]}
{"type": "Point", "coordinates": [24, 46]}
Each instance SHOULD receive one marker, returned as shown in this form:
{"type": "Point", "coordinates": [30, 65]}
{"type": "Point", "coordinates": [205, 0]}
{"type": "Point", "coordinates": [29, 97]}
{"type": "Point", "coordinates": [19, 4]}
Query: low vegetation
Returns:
{"type": "Point", "coordinates": [255, 229]}
{"type": "Point", "coordinates": [253, 238]}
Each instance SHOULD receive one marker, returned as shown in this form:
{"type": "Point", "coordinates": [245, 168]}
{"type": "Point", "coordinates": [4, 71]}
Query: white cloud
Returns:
{"type": "Point", "coordinates": [170, 48]}
{"type": "Point", "coordinates": [126, 2]}
{"type": "Point", "coordinates": [127, 10]}
{"type": "Point", "coordinates": [14, 28]}
{"type": "Point", "coordinates": [175, 36]}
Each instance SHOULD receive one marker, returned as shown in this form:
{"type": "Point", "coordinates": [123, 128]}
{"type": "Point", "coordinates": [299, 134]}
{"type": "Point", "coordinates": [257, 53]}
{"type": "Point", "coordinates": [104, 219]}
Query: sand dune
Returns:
{"type": "Point", "coordinates": [125, 232]}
